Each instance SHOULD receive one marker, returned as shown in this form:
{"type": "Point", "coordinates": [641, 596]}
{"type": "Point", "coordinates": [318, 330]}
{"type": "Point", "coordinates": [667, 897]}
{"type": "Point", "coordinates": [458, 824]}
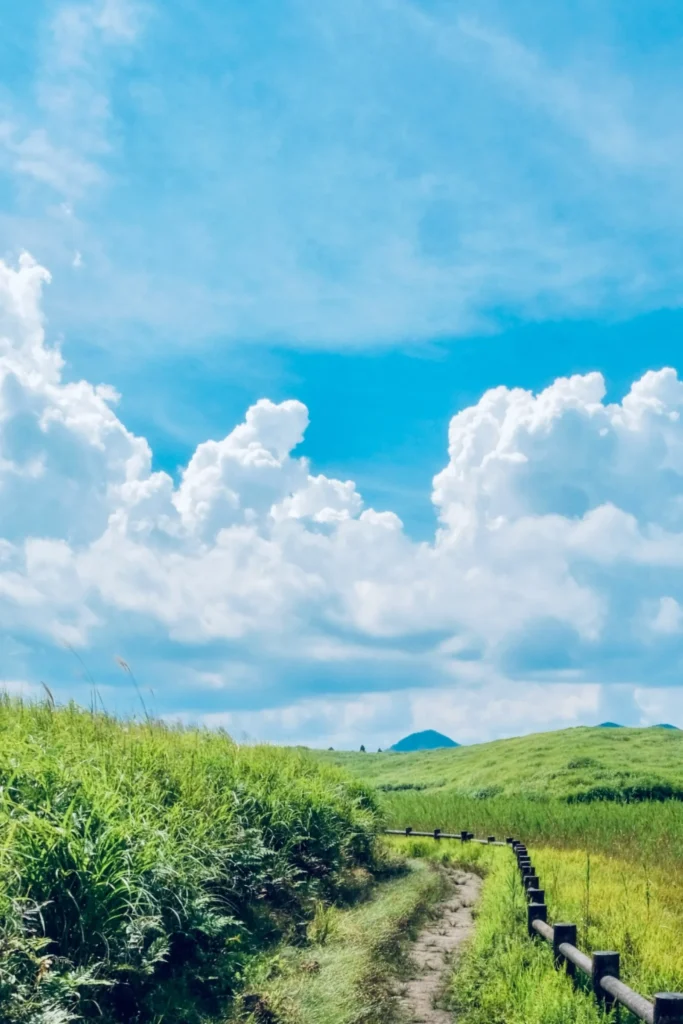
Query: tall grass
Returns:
{"type": "Point", "coordinates": [141, 867]}
{"type": "Point", "coordinates": [348, 974]}
{"type": "Point", "coordinates": [650, 832]}
{"type": "Point", "coordinates": [505, 976]}
{"type": "Point", "coordinates": [576, 765]}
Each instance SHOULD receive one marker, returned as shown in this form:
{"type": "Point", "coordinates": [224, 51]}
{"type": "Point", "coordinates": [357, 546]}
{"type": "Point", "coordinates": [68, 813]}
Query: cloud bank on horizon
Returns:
{"type": "Point", "coordinates": [251, 582]}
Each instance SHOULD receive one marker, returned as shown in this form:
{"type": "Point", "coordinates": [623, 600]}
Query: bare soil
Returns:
{"type": "Point", "coordinates": [435, 950]}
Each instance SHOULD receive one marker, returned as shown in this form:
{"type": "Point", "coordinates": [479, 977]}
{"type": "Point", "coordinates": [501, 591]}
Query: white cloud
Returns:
{"type": "Point", "coordinates": [420, 215]}
{"type": "Point", "coordinates": [468, 714]}
{"type": "Point", "coordinates": [659, 706]}
{"type": "Point", "coordinates": [669, 617]}
{"type": "Point", "coordinates": [64, 150]}
{"type": "Point", "coordinates": [560, 518]}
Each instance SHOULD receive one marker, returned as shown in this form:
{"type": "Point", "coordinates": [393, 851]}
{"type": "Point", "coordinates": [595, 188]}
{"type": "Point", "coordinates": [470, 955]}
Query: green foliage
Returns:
{"type": "Point", "coordinates": [349, 978]}
{"type": "Point", "coordinates": [323, 924]}
{"type": "Point", "coordinates": [603, 789]}
{"type": "Point", "coordinates": [506, 977]}
{"type": "Point", "coordinates": [601, 812]}
{"type": "Point", "coordinates": [142, 867]}
{"type": "Point", "coordinates": [576, 765]}
{"type": "Point", "coordinates": [642, 832]}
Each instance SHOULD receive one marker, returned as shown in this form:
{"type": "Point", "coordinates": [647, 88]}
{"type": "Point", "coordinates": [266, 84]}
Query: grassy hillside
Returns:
{"type": "Point", "coordinates": [576, 765]}
{"type": "Point", "coordinates": [142, 868]}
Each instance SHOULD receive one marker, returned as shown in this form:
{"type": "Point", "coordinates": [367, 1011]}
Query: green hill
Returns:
{"type": "Point", "coordinates": [427, 740]}
{"type": "Point", "coordinates": [144, 868]}
{"type": "Point", "coordinates": [576, 765]}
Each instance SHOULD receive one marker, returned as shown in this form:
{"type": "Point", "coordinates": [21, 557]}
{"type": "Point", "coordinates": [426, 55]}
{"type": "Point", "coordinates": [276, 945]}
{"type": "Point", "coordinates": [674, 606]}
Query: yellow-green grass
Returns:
{"type": "Point", "coordinates": [634, 908]}
{"type": "Point", "coordinates": [346, 975]}
{"type": "Point", "coordinates": [601, 789]}
{"type": "Point", "coordinates": [580, 764]}
{"type": "Point", "coordinates": [350, 977]}
{"type": "Point", "coordinates": [649, 831]}
{"type": "Point", "coordinates": [503, 976]}
{"type": "Point", "coordinates": [142, 868]}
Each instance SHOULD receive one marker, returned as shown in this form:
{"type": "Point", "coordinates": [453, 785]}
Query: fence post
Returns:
{"type": "Point", "coordinates": [437, 833]}
{"type": "Point", "coordinates": [531, 882]}
{"type": "Point", "coordinates": [491, 839]}
{"type": "Point", "coordinates": [510, 841]}
{"type": "Point", "coordinates": [535, 912]}
{"type": "Point", "coordinates": [604, 962]}
{"type": "Point", "coordinates": [535, 895]}
{"type": "Point", "coordinates": [408, 830]}
{"type": "Point", "coordinates": [464, 835]}
{"type": "Point", "coordinates": [563, 932]}
{"type": "Point", "coordinates": [668, 1008]}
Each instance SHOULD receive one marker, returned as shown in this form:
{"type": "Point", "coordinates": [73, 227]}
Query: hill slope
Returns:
{"type": "Point", "coordinates": [427, 740]}
{"type": "Point", "coordinates": [159, 863]}
{"type": "Point", "coordinates": [572, 764]}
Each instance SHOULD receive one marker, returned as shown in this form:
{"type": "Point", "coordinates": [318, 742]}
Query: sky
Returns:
{"type": "Point", "coordinates": [340, 364]}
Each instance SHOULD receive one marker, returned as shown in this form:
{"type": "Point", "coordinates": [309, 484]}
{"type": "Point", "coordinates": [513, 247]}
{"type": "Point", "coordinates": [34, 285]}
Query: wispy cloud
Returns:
{"type": "Point", "coordinates": [359, 174]}
{"type": "Point", "coordinates": [60, 136]}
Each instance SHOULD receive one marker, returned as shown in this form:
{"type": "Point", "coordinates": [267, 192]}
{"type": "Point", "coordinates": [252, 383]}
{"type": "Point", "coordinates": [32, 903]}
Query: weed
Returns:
{"type": "Point", "coordinates": [143, 867]}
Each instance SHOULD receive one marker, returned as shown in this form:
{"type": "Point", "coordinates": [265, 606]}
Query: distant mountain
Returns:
{"type": "Point", "coordinates": [665, 725]}
{"type": "Point", "coordinates": [610, 725]}
{"type": "Point", "coordinates": [427, 740]}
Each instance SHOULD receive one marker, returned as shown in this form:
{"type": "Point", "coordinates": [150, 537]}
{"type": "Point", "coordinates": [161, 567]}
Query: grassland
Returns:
{"type": "Point", "coordinates": [143, 870]}
{"type": "Point", "coordinates": [505, 977]}
{"type": "Point", "coordinates": [166, 875]}
{"type": "Point", "coordinates": [346, 974]}
{"type": "Point", "coordinates": [602, 814]}
{"type": "Point", "coordinates": [575, 765]}
{"type": "Point", "coordinates": [602, 790]}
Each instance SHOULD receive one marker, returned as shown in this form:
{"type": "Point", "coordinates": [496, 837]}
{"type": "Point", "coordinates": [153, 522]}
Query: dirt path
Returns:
{"type": "Point", "coordinates": [434, 950]}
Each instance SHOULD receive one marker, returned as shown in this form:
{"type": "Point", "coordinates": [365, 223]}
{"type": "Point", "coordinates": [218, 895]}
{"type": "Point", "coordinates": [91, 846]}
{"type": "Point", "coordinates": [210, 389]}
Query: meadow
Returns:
{"type": "Point", "coordinates": [156, 874]}
{"type": "Point", "coordinates": [144, 869]}
{"type": "Point", "coordinates": [505, 977]}
{"type": "Point", "coordinates": [603, 790]}
{"type": "Point", "coordinates": [347, 972]}
{"type": "Point", "coordinates": [579, 765]}
{"type": "Point", "coordinates": [602, 814]}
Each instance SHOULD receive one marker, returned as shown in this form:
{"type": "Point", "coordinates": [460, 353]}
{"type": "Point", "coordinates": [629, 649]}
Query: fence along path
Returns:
{"type": "Point", "coordinates": [602, 966]}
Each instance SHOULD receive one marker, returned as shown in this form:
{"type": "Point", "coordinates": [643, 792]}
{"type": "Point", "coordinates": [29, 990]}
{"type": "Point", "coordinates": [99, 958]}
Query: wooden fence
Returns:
{"type": "Point", "coordinates": [602, 966]}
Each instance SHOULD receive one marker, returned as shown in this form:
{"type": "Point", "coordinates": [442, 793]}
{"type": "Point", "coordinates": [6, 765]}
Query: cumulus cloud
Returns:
{"type": "Point", "coordinates": [556, 557]}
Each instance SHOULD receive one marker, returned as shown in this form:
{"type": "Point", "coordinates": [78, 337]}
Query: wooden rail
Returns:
{"type": "Point", "coordinates": [438, 834]}
{"type": "Point", "coordinates": [602, 967]}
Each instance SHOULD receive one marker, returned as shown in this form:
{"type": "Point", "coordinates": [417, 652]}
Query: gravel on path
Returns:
{"type": "Point", "coordinates": [434, 951]}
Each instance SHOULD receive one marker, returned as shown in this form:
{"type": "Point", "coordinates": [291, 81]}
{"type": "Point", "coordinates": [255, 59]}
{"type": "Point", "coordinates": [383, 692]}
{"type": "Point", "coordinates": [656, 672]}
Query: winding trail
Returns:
{"type": "Point", "coordinates": [434, 951]}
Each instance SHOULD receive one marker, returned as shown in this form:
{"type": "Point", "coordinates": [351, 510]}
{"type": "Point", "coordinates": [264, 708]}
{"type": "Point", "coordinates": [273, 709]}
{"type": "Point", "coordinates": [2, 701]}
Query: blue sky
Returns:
{"type": "Point", "coordinates": [381, 210]}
